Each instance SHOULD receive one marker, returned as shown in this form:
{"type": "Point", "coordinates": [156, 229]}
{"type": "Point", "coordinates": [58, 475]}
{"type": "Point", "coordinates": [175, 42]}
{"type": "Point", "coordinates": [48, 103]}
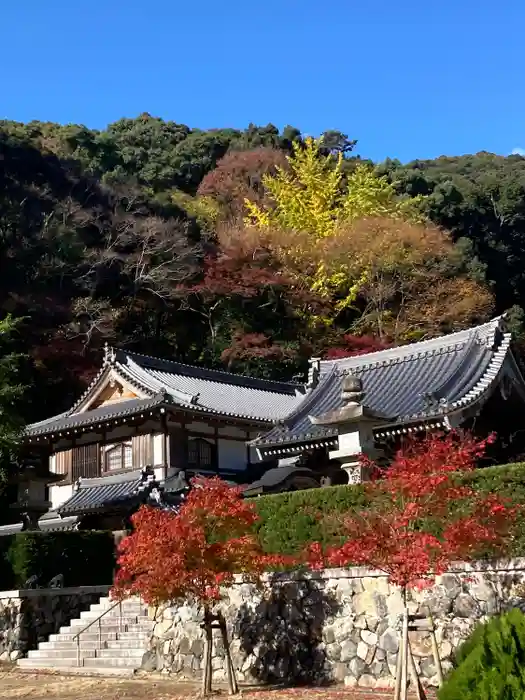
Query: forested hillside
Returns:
{"type": "Point", "coordinates": [249, 250]}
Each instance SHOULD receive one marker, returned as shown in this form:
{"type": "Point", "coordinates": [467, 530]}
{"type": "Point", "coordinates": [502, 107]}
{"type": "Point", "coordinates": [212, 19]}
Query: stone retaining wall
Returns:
{"type": "Point", "coordinates": [337, 625]}
{"type": "Point", "coordinates": [28, 617]}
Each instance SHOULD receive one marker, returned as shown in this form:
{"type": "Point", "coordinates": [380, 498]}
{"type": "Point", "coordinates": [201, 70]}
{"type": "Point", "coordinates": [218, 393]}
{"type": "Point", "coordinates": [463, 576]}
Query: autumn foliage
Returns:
{"type": "Point", "coordinates": [423, 519]}
{"type": "Point", "coordinates": [239, 176]}
{"type": "Point", "coordinates": [189, 555]}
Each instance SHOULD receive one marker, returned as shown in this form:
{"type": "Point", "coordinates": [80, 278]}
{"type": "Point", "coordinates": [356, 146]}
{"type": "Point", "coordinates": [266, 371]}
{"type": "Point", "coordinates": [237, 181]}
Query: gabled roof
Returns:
{"type": "Point", "coordinates": [407, 384]}
{"type": "Point", "coordinates": [162, 382]}
{"type": "Point", "coordinates": [68, 421]}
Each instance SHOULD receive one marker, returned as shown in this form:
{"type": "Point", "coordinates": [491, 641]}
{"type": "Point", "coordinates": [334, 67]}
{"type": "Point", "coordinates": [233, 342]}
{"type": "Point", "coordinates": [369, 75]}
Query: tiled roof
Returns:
{"type": "Point", "coordinates": [118, 409]}
{"type": "Point", "coordinates": [93, 495]}
{"type": "Point", "coordinates": [50, 522]}
{"type": "Point", "coordinates": [211, 391]}
{"type": "Point", "coordinates": [196, 389]}
{"type": "Point", "coordinates": [406, 384]}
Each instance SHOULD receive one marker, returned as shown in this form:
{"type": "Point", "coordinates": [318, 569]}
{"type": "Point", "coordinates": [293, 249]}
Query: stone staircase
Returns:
{"type": "Point", "coordinates": [113, 645]}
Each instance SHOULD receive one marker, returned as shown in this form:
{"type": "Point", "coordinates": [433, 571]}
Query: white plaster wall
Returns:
{"type": "Point", "coordinates": [158, 440]}
{"type": "Point", "coordinates": [59, 495]}
{"type": "Point", "coordinates": [232, 455]}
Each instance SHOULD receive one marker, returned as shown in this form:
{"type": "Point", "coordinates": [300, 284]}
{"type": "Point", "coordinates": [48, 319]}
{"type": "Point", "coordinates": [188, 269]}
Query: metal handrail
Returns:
{"type": "Point", "coordinates": [97, 619]}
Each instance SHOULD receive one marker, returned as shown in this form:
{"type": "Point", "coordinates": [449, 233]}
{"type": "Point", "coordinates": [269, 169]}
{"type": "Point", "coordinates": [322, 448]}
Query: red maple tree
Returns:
{"type": "Point", "coordinates": [423, 518]}
{"type": "Point", "coordinates": [354, 345]}
{"type": "Point", "coordinates": [189, 555]}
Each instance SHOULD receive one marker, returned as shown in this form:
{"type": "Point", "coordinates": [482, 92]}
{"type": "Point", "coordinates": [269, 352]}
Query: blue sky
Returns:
{"type": "Point", "coordinates": [406, 78]}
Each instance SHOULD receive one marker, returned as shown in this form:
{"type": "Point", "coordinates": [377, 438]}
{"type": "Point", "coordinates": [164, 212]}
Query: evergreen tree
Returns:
{"type": "Point", "coordinates": [491, 664]}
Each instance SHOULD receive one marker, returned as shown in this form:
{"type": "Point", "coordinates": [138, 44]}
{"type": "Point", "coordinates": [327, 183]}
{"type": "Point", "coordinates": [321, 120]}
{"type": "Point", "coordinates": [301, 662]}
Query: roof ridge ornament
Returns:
{"type": "Point", "coordinates": [109, 354]}
{"type": "Point", "coordinates": [314, 372]}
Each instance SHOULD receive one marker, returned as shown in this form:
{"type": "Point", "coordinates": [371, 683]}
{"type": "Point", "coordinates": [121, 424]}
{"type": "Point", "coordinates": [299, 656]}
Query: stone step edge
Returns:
{"type": "Point", "coordinates": [56, 670]}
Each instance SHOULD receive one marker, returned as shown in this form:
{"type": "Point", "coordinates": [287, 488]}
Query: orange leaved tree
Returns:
{"type": "Point", "coordinates": [189, 555]}
{"type": "Point", "coordinates": [424, 517]}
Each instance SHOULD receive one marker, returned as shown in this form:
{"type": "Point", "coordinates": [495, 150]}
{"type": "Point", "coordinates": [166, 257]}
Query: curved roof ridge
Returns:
{"type": "Point", "coordinates": [153, 383]}
{"type": "Point", "coordinates": [303, 408]}
{"type": "Point", "coordinates": [487, 378]}
{"type": "Point", "coordinates": [446, 386]}
{"type": "Point", "coordinates": [400, 353]}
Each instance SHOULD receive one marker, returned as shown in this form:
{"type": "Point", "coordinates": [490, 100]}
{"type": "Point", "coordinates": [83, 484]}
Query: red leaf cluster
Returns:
{"type": "Point", "coordinates": [423, 519]}
{"type": "Point", "coordinates": [250, 346]}
{"type": "Point", "coordinates": [238, 176]}
{"type": "Point", "coordinates": [232, 273]}
{"type": "Point", "coordinates": [189, 555]}
{"type": "Point", "coordinates": [355, 345]}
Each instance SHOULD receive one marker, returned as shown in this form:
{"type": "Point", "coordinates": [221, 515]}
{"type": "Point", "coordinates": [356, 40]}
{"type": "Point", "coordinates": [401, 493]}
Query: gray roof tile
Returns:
{"type": "Point", "coordinates": [212, 391]}
{"type": "Point", "coordinates": [93, 495]}
{"type": "Point", "coordinates": [406, 384]}
{"type": "Point", "coordinates": [196, 389]}
{"type": "Point", "coordinates": [67, 421]}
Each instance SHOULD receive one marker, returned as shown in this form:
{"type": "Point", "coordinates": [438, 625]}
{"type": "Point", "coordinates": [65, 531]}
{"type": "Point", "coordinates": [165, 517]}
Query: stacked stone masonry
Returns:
{"type": "Point", "coordinates": [337, 625]}
{"type": "Point", "coordinates": [28, 617]}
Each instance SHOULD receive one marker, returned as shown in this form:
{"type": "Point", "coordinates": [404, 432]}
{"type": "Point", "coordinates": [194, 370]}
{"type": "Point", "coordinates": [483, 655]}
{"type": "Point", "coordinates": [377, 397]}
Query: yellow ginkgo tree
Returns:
{"type": "Point", "coordinates": [309, 202]}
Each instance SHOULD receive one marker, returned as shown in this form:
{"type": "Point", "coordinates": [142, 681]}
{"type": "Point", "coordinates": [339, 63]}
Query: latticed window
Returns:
{"type": "Point", "coordinates": [119, 456]}
{"type": "Point", "coordinates": [85, 461]}
{"type": "Point", "coordinates": [201, 454]}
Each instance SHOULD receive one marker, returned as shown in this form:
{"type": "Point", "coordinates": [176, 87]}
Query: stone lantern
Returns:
{"type": "Point", "coordinates": [355, 424]}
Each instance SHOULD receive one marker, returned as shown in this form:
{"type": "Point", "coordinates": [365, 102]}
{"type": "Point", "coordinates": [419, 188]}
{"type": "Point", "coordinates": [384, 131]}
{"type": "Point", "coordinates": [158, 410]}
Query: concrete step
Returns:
{"type": "Point", "coordinates": [43, 665]}
{"type": "Point", "coordinates": [108, 619]}
{"type": "Point", "coordinates": [113, 662]}
{"type": "Point", "coordinates": [115, 627]}
{"type": "Point", "coordinates": [120, 653]}
{"type": "Point", "coordinates": [69, 644]}
{"type": "Point", "coordinates": [127, 644]}
{"type": "Point", "coordinates": [94, 644]}
{"type": "Point", "coordinates": [107, 611]}
{"type": "Point", "coordinates": [61, 654]}
{"type": "Point", "coordinates": [47, 662]}
{"type": "Point", "coordinates": [86, 637]}
{"type": "Point", "coordinates": [132, 643]}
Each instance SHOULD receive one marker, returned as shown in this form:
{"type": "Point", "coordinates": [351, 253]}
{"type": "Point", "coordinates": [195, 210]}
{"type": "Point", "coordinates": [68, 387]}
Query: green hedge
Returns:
{"type": "Point", "coordinates": [84, 558]}
{"type": "Point", "coordinates": [288, 521]}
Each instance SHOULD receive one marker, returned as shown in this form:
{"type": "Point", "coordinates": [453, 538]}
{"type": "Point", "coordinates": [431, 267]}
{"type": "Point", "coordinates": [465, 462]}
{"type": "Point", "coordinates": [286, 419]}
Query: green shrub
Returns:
{"type": "Point", "coordinates": [288, 521]}
{"type": "Point", "coordinates": [491, 664]}
{"type": "Point", "coordinates": [84, 558]}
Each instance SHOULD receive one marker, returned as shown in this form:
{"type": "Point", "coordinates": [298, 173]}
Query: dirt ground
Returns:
{"type": "Point", "coordinates": [17, 685]}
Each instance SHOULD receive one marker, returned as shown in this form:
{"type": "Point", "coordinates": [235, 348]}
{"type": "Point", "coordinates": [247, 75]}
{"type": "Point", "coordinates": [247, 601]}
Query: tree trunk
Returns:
{"type": "Point", "coordinates": [207, 670]}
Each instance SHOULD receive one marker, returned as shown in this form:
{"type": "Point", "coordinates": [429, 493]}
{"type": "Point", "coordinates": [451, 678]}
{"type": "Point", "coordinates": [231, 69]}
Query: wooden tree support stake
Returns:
{"type": "Point", "coordinates": [405, 658]}
{"type": "Point", "coordinates": [211, 622]}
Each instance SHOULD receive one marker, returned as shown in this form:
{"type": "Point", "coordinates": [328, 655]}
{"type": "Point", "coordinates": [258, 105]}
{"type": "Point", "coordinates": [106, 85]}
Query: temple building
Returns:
{"type": "Point", "coordinates": [146, 425]}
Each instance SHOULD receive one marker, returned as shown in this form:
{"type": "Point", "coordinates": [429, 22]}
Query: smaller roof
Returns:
{"type": "Point", "coordinates": [106, 492]}
{"type": "Point", "coordinates": [275, 478]}
{"type": "Point", "coordinates": [50, 522]}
